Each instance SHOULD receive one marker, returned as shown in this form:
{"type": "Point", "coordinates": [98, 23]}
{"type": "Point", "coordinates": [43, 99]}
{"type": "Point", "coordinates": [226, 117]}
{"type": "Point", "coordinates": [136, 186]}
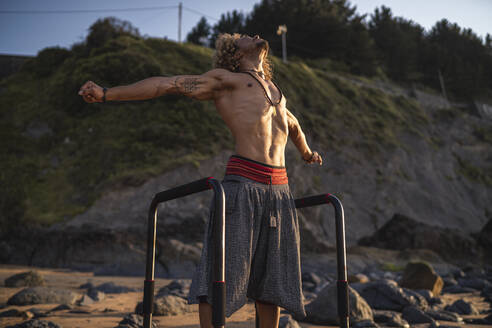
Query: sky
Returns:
{"type": "Point", "coordinates": [28, 33]}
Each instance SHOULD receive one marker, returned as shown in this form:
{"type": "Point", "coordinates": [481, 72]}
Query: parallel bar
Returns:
{"type": "Point", "coordinates": [219, 285]}
{"type": "Point", "coordinates": [219, 233]}
{"type": "Point", "coordinates": [342, 285]}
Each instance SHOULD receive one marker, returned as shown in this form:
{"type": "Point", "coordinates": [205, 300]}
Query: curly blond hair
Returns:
{"type": "Point", "coordinates": [227, 56]}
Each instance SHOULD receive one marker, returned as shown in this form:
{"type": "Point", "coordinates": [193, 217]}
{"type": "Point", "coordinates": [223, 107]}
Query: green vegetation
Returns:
{"type": "Point", "coordinates": [388, 266]}
{"type": "Point", "coordinates": [59, 154]}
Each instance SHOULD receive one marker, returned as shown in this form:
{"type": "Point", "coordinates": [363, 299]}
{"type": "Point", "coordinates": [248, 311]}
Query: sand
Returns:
{"type": "Point", "coordinates": [108, 312]}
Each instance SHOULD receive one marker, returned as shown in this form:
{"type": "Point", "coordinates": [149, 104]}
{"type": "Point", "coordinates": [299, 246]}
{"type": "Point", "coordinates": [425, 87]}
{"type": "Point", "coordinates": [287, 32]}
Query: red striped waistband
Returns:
{"type": "Point", "coordinates": [257, 171]}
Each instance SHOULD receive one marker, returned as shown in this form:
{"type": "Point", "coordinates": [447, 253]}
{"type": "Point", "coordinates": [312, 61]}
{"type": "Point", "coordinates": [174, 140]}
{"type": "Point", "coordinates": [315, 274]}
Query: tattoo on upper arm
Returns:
{"type": "Point", "coordinates": [188, 85]}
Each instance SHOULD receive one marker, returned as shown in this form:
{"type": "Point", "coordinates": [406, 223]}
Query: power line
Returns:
{"type": "Point", "coordinates": [200, 13]}
{"type": "Point", "coordinates": [83, 11]}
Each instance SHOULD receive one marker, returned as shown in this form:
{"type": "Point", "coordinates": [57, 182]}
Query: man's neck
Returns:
{"type": "Point", "coordinates": [252, 65]}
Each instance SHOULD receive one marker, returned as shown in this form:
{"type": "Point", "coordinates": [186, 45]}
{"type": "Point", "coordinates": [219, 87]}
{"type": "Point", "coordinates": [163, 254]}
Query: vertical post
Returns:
{"type": "Point", "coordinates": [180, 15]}
{"type": "Point", "coordinates": [284, 48]}
{"type": "Point", "coordinates": [282, 30]}
{"type": "Point", "coordinates": [441, 80]}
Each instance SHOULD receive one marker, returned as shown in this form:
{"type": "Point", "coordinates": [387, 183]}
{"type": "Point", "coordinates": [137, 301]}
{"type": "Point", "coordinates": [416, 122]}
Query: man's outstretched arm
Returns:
{"type": "Point", "coordinates": [201, 87]}
{"type": "Point", "coordinates": [299, 139]}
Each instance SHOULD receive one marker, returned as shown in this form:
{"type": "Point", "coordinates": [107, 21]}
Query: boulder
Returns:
{"type": "Point", "coordinates": [96, 295]}
{"type": "Point", "coordinates": [402, 232]}
{"type": "Point", "coordinates": [323, 310]}
{"type": "Point", "coordinates": [385, 295]}
{"type": "Point", "coordinates": [475, 283]}
{"type": "Point", "coordinates": [34, 323]}
{"type": "Point", "coordinates": [11, 313]}
{"type": "Point", "coordinates": [133, 321]}
{"type": "Point", "coordinates": [483, 321]}
{"type": "Point", "coordinates": [42, 295]}
{"type": "Point", "coordinates": [421, 275]}
{"type": "Point", "coordinates": [462, 307]}
{"type": "Point", "coordinates": [167, 305]}
{"type": "Point", "coordinates": [85, 300]}
{"type": "Point", "coordinates": [420, 300]}
{"type": "Point", "coordinates": [359, 277]}
{"type": "Point", "coordinates": [444, 315]}
{"type": "Point", "coordinates": [413, 314]}
{"type": "Point", "coordinates": [390, 318]}
{"type": "Point", "coordinates": [178, 287]}
{"type": "Point", "coordinates": [112, 288]}
{"type": "Point", "coordinates": [61, 307]}
{"type": "Point", "coordinates": [25, 279]}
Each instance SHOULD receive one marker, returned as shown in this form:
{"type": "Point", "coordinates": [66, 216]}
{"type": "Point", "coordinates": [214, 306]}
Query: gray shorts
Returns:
{"type": "Point", "coordinates": [262, 257]}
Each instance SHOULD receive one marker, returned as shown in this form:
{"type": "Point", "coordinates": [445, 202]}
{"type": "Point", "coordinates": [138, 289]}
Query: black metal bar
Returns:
{"type": "Point", "coordinates": [342, 283]}
{"type": "Point", "coordinates": [219, 254]}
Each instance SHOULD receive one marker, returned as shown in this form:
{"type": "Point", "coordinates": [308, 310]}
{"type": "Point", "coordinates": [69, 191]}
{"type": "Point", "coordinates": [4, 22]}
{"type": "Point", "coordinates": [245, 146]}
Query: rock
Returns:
{"type": "Point", "coordinates": [61, 307]}
{"type": "Point", "coordinates": [487, 294]}
{"type": "Point", "coordinates": [475, 283]}
{"type": "Point", "coordinates": [286, 321]}
{"type": "Point", "coordinates": [311, 277]}
{"type": "Point", "coordinates": [96, 295]}
{"type": "Point", "coordinates": [435, 300]}
{"type": "Point", "coordinates": [390, 318]}
{"type": "Point", "coordinates": [484, 321]}
{"type": "Point", "coordinates": [41, 295]}
{"type": "Point", "coordinates": [178, 287]}
{"type": "Point", "coordinates": [85, 300]}
{"type": "Point", "coordinates": [444, 315]}
{"type": "Point", "coordinates": [167, 305]}
{"type": "Point", "coordinates": [133, 321]}
{"type": "Point", "coordinates": [449, 281]}
{"type": "Point", "coordinates": [112, 288]}
{"type": "Point", "coordinates": [27, 315]}
{"type": "Point", "coordinates": [323, 310]}
{"type": "Point", "coordinates": [462, 307]}
{"type": "Point", "coordinates": [457, 289]}
{"type": "Point", "coordinates": [402, 232]}
{"type": "Point", "coordinates": [420, 300]}
{"type": "Point", "coordinates": [36, 324]}
{"type": "Point", "coordinates": [11, 313]}
{"type": "Point", "coordinates": [421, 275]}
{"type": "Point", "coordinates": [427, 294]}
{"type": "Point", "coordinates": [25, 279]}
{"type": "Point", "coordinates": [87, 285]}
{"type": "Point", "coordinates": [359, 277]}
{"type": "Point", "coordinates": [413, 314]}
{"type": "Point", "coordinates": [385, 295]}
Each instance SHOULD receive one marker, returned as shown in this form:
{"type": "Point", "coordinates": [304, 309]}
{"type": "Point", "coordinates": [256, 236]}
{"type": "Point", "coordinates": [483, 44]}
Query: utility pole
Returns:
{"type": "Point", "coordinates": [282, 30]}
{"type": "Point", "coordinates": [180, 14]}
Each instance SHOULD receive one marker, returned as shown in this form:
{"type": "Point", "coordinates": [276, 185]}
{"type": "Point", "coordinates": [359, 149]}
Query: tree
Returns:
{"type": "Point", "coordinates": [108, 28]}
{"type": "Point", "coordinates": [200, 33]}
{"type": "Point", "coordinates": [231, 22]}
{"type": "Point", "coordinates": [398, 42]}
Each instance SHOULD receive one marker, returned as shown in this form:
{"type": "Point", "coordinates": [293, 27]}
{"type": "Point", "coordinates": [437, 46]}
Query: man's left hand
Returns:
{"type": "Point", "coordinates": [314, 158]}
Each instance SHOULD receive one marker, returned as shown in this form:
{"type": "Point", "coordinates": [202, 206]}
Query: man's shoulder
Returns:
{"type": "Point", "coordinates": [231, 79]}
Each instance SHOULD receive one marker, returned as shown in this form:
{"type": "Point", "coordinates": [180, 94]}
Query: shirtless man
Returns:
{"type": "Point", "coordinates": [254, 109]}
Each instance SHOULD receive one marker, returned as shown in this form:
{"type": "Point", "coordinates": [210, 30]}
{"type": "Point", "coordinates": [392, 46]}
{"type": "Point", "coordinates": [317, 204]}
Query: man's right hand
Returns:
{"type": "Point", "coordinates": [91, 92]}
